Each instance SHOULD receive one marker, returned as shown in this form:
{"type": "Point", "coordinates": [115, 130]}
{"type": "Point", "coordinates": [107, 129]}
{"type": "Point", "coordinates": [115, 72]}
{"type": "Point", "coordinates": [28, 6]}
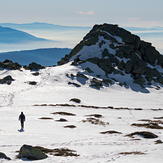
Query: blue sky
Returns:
{"type": "Point", "coordinates": [138, 13]}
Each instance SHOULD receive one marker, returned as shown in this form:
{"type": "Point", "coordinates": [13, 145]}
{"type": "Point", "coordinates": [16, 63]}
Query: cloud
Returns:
{"type": "Point", "coordinates": [86, 13]}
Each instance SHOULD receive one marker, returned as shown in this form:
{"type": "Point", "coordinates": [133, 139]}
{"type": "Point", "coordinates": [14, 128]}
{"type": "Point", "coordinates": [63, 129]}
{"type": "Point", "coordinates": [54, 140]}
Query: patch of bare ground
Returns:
{"type": "Point", "coordinates": [144, 134]}
{"type": "Point", "coordinates": [89, 106]}
{"type": "Point", "coordinates": [46, 118]}
{"type": "Point", "coordinates": [157, 109]}
{"type": "Point", "coordinates": [132, 153]}
{"type": "Point", "coordinates": [95, 121]}
{"type": "Point", "coordinates": [65, 152]}
{"type": "Point", "coordinates": [70, 126]}
{"type": "Point", "coordinates": [95, 115]}
{"type": "Point", "coordinates": [158, 117]}
{"type": "Point", "coordinates": [110, 132]}
{"type": "Point", "coordinates": [152, 124]}
{"type": "Point", "coordinates": [64, 113]}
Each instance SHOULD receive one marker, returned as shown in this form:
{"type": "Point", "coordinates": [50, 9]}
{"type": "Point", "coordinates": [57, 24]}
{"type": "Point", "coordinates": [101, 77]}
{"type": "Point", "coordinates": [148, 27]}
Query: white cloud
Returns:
{"type": "Point", "coordinates": [86, 13]}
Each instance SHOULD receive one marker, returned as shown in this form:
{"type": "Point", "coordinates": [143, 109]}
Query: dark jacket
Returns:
{"type": "Point", "coordinates": [22, 117]}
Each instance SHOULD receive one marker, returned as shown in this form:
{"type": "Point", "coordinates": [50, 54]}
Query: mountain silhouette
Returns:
{"type": "Point", "coordinates": [9, 35]}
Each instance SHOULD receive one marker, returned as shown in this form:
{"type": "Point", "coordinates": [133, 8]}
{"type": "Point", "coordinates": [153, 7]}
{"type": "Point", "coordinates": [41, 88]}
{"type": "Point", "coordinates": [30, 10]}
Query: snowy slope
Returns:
{"type": "Point", "coordinates": [52, 88]}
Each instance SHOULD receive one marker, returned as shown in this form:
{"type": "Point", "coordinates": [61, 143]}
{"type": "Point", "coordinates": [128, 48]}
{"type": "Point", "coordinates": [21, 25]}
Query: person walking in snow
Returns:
{"type": "Point", "coordinates": [22, 119]}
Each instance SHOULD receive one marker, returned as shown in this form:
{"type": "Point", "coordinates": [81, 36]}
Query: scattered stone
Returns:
{"type": "Point", "coordinates": [32, 83]}
{"type": "Point", "coordinates": [76, 100]}
{"type": "Point", "coordinates": [36, 73]}
{"type": "Point", "coordinates": [70, 126]}
{"type": "Point", "coordinates": [46, 118]}
{"type": "Point", "coordinates": [3, 156]}
{"type": "Point", "coordinates": [144, 134]}
{"type": "Point", "coordinates": [158, 142]}
{"type": "Point", "coordinates": [31, 153]}
{"type": "Point", "coordinates": [61, 120]}
{"type": "Point", "coordinates": [75, 84]}
{"type": "Point", "coordinates": [110, 132]}
{"type": "Point", "coordinates": [6, 80]}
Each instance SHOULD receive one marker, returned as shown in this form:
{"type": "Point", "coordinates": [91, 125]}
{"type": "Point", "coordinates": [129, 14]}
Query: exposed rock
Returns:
{"type": "Point", "coordinates": [96, 83]}
{"type": "Point", "coordinates": [6, 80]}
{"type": "Point", "coordinates": [124, 51]}
{"type": "Point", "coordinates": [31, 153]}
{"type": "Point", "coordinates": [76, 100]}
{"type": "Point", "coordinates": [128, 67]}
{"type": "Point", "coordinates": [107, 81]}
{"type": "Point", "coordinates": [3, 156]}
{"type": "Point", "coordinates": [62, 120]}
{"type": "Point", "coordinates": [121, 65]}
{"type": "Point", "coordinates": [7, 64]}
{"type": "Point", "coordinates": [144, 134]}
{"type": "Point", "coordinates": [75, 84]}
{"type": "Point", "coordinates": [35, 66]}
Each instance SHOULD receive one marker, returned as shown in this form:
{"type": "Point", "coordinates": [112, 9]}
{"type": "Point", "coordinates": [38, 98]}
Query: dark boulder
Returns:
{"type": "Point", "coordinates": [31, 153]}
{"type": "Point", "coordinates": [7, 64]}
{"type": "Point", "coordinates": [121, 65]}
{"type": "Point", "coordinates": [35, 66]}
{"type": "Point", "coordinates": [96, 83]}
{"type": "Point", "coordinates": [128, 67]}
{"type": "Point", "coordinates": [105, 64]}
{"type": "Point", "coordinates": [3, 156]}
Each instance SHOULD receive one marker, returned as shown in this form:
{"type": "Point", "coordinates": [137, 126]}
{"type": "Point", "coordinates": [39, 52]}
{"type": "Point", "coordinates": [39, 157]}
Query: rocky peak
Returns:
{"type": "Point", "coordinates": [118, 51]}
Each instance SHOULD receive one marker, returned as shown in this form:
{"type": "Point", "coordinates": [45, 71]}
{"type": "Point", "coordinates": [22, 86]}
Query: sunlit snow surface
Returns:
{"type": "Point", "coordinates": [52, 88]}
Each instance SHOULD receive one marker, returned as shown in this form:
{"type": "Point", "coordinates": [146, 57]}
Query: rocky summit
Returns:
{"type": "Point", "coordinates": [122, 56]}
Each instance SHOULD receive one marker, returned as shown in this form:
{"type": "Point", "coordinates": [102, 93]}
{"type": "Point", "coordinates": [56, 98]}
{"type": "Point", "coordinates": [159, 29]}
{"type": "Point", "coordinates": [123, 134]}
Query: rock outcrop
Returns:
{"type": "Point", "coordinates": [31, 153]}
{"type": "Point", "coordinates": [117, 51]}
{"type": "Point", "coordinates": [7, 64]}
{"type": "Point", "coordinates": [3, 156]}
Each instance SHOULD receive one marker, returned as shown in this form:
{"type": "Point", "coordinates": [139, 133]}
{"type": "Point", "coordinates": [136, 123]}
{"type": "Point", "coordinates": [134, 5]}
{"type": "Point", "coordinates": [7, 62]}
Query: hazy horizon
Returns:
{"type": "Point", "coordinates": [69, 37]}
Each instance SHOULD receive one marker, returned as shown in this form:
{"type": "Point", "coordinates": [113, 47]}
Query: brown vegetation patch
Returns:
{"type": "Point", "coordinates": [132, 153]}
{"type": "Point", "coordinates": [110, 132]}
{"type": "Point", "coordinates": [157, 109]}
{"type": "Point", "coordinates": [70, 126]}
{"type": "Point", "coordinates": [158, 117]}
{"type": "Point", "coordinates": [145, 120]}
{"type": "Point", "coordinates": [151, 125]}
{"type": "Point", "coordinates": [144, 134]}
{"type": "Point", "coordinates": [65, 152]}
{"type": "Point", "coordinates": [121, 108]}
{"type": "Point", "coordinates": [46, 118]}
{"type": "Point", "coordinates": [95, 121]}
{"type": "Point", "coordinates": [89, 106]}
{"type": "Point", "coordinates": [95, 115]}
{"type": "Point", "coordinates": [64, 113]}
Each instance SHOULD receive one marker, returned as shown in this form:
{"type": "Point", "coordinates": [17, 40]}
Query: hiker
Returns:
{"type": "Point", "coordinates": [22, 119]}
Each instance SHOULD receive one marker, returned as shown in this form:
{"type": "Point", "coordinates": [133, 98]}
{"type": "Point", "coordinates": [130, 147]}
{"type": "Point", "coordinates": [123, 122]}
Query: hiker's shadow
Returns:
{"type": "Point", "coordinates": [21, 130]}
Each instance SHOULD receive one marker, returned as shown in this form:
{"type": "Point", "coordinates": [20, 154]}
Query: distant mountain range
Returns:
{"type": "Point", "coordinates": [45, 57]}
{"type": "Point", "coordinates": [42, 26]}
{"type": "Point", "coordinates": [9, 35]}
